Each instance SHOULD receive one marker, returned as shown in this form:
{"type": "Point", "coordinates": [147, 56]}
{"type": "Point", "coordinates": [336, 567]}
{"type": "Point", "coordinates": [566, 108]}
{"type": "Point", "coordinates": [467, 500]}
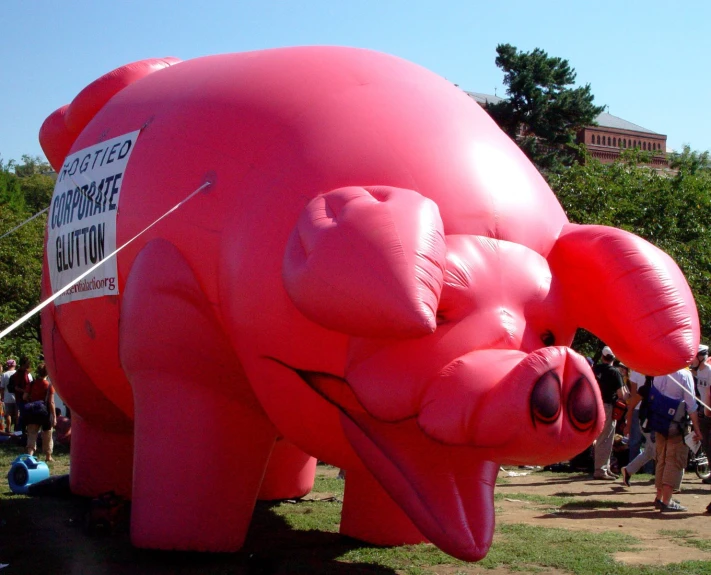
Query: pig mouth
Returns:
{"type": "Point", "coordinates": [443, 476]}
{"type": "Point", "coordinates": [447, 491]}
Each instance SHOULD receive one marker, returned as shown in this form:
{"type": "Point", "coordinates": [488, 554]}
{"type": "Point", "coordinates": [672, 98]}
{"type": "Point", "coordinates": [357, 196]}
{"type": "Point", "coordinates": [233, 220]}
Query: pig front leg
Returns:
{"type": "Point", "coordinates": [370, 514]}
{"type": "Point", "coordinates": [202, 441]}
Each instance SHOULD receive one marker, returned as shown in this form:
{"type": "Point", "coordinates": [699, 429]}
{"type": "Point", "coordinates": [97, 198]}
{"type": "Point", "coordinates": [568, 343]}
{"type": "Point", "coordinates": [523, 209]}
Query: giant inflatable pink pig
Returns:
{"type": "Point", "coordinates": [371, 273]}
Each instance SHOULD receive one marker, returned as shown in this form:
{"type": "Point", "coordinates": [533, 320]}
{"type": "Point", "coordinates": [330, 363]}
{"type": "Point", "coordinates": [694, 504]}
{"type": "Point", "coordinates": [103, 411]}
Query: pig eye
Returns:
{"type": "Point", "coordinates": [548, 338]}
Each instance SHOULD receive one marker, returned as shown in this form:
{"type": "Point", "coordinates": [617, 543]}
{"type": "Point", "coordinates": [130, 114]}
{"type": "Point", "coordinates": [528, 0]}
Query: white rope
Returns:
{"type": "Point", "coordinates": [688, 392]}
{"type": "Point", "coordinates": [75, 281]}
{"type": "Point", "coordinates": [27, 221]}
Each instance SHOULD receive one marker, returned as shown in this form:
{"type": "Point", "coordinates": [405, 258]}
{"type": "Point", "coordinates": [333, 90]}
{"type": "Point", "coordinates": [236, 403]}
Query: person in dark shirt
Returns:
{"type": "Point", "coordinates": [40, 391]}
{"type": "Point", "coordinates": [610, 382]}
{"type": "Point", "coordinates": [21, 380]}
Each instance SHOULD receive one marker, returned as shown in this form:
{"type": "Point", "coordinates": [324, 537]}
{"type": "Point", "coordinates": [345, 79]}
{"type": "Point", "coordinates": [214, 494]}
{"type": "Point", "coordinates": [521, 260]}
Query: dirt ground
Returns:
{"type": "Point", "coordinates": [636, 515]}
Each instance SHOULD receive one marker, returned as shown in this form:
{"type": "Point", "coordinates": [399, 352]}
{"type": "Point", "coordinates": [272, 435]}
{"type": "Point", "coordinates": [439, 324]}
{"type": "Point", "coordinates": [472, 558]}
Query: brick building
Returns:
{"type": "Point", "coordinates": [610, 136]}
{"type": "Point", "coordinates": [613, 134]}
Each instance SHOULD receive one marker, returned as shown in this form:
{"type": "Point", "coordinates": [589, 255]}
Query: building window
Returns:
{"type": "Point", "coordinates": [644, 145]}
{"type": "Point", "coordinates": [609, 141]}
{"type": "Point", "coordinates": [598, 140]}
{"type": "Point", "coordinates": [624, 143]}
{"type": "Point", "coordinates": [614, 142]}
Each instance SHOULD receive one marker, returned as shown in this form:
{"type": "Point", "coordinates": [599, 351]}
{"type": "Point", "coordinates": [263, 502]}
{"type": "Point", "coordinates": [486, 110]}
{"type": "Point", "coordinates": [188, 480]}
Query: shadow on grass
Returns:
{"type": "Point", "coordinates": [621, 511]}
{"type": "Point", "coordinates": [47, 535]}
{"type": "Point", "coordinates": [555, 480]}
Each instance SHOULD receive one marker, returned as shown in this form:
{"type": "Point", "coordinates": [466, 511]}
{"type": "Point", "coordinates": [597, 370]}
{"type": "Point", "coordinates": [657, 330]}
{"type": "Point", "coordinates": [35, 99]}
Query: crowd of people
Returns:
{"type": "Point", "coordinates": [658, 417]}
{"type": "Point", "coordinates": [665, 414]}
{"type": "Point", "coordinates": [27, 407]}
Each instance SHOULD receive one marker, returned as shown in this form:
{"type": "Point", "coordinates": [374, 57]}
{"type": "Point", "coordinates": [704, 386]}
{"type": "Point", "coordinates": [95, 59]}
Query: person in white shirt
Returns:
{"type": "Point", "coordinates": [702, 370]}
{"type": "Point", "coordinates": [9, 403]}
{"type": "Point", "coordinates": [672, 452]}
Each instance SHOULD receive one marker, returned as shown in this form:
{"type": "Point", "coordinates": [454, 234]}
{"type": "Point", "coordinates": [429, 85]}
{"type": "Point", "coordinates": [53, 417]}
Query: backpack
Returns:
{"type": "Point", "coordinates": [39, 408]}
{"type": "Point", "coordinates": [11, 383]}
{"type": "Point", "coordinates": [662, 414]}
{"type": "Point", "coordinates": [643, 391]}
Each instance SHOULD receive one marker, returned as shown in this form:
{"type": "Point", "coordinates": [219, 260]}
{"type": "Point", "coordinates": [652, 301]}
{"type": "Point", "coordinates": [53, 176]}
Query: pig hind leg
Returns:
{"type": "Point", "coordinates": [202, 441]}
{"type": "Point", "coordinates": [102, 435]}
{"type": "Point", "coordinates": [290, 473]}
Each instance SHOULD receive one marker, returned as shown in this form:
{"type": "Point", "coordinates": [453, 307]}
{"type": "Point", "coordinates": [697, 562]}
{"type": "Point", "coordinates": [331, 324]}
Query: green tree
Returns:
{"type": "Point", "coordinates": [690, 161]}
{"type": "Point", "coordinates": [36, 190]}
{"type": "Point", "coordinates": [36, 179]}
{"type": "Point", "coordinates": [31, 165]}
{"type": "Point", "coordinates": [10, 190]}
{"type": "Point", "coordinates": [542, 112]}
{"type": "Point", "coordinates": [25, 189]}
{"type": "Point", "coordinates": [20, 275]}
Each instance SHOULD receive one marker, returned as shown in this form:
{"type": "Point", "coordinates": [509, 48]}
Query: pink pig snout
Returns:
{"type": "Point", "coordinates": [544, 403]}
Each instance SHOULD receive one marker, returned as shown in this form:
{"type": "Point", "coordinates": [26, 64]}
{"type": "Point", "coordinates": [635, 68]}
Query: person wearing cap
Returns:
{"type": "Point", "coordinates": [9, 403]}
{"type": "Point", "coordinates": [610, 382]}
{"type": "Point", "coordinates": [701, 370]}
{"type": "Point", "coordinates": [672, 452]}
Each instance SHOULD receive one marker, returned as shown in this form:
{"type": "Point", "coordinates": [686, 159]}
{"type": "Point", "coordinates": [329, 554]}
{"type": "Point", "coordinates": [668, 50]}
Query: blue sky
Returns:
{"type": "Point", "coordinates": [648, 61]}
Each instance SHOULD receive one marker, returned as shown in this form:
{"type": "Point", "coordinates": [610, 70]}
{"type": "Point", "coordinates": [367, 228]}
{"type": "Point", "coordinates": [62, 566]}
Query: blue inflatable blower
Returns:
{"type": "Point", "coordinates": [25, 471]}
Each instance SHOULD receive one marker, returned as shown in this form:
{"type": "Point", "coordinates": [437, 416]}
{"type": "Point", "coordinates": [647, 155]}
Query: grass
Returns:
{"type": "Point", "coordinates": [302, 537]}
{"type": "Point", "coordinates": [530, 548]}
{"type": "Point", "coordinates": [687, 537]}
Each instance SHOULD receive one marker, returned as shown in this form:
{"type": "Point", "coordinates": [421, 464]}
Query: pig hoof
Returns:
{"type": "Point", "coordinates": [545, 399]}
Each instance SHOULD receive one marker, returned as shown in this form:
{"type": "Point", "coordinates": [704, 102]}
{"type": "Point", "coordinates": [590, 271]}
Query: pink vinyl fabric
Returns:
{"type": "Point", "coordinates": [376, 277]}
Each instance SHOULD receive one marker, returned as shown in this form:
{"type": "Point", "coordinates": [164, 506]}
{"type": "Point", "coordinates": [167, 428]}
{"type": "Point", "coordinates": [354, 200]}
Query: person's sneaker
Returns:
{"type": "Point", "coordinates": [604, 477]}
{"type": "Point", "coordinates": [625, 477]}
{"type": "Point", "coordinates": [672, 507]}
{"type": "Point", "coordinates": [611, 474]}
{"type": "Point", "coordinates": [706, 480]}
{"type": "Point", "coordinates": [658, 503]}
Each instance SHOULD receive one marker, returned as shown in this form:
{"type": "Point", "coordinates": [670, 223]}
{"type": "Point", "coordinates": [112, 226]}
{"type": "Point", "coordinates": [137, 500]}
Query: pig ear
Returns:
{"type": "Point", "coordinates": [630, 294]}
{"type": "Point", "coordinates": [368, 262]}
{"type": "Point", "coordinates": [55, 139]}
{"type": "Point", "coordinates": [60, 130]}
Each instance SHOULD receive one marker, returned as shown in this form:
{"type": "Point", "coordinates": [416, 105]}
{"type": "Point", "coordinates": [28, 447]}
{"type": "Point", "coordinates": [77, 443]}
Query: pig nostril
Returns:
{"type": "Point", "coordinates": [545, 398]}
{"type": "Point", "coordinates": [582, 407]}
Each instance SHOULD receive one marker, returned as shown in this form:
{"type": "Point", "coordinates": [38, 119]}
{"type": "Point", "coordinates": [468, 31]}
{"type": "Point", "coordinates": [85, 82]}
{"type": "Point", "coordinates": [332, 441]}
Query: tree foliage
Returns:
{"type": "Point", "coordinates": [25, 189]}
{"type": "Point", "coordinates": [670, 210]}
{"type": "Point", "coordinates": [543, 112]}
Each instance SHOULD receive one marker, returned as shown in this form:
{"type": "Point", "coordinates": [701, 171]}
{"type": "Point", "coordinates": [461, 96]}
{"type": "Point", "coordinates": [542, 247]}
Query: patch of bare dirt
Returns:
{"type": "Point", "coordinates": [634, 516]}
